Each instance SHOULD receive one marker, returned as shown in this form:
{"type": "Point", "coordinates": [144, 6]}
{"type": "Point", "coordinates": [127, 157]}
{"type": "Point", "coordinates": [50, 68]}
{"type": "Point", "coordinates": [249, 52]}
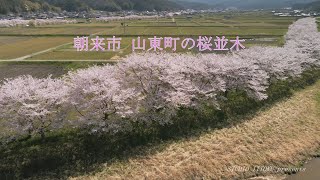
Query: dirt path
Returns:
{"type": "Point", "coordinates": [312, 171]}
{"type": "Point", "coordinates": [41, 52]}
{"type": "Point", "coordinates": [278, 137]}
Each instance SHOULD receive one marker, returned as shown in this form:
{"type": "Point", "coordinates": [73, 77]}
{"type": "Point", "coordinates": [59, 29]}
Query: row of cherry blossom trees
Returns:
{"type": "Point", "coordinates": [36, 22]}
{"type": "Point", "coordinates": [120, 18]}
{"type": "Point", "coordinates": [150, 88]}
{"type": "Point", "coordinates": [42, 22]}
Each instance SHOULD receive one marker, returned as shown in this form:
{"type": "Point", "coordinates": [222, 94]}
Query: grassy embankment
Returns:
{"type": "Point", "coordinates": [283, 136]}
{"type": "Point", "coordinates": [197, 144]}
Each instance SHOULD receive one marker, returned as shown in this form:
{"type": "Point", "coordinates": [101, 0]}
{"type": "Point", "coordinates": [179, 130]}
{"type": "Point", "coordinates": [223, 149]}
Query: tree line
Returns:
{"type": "Point", "coordinates": [18, 6]}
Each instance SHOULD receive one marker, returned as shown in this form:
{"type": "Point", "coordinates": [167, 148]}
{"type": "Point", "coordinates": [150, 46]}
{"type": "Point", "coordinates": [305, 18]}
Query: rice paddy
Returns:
{"type": "Point", "coordinates": [256, 28]}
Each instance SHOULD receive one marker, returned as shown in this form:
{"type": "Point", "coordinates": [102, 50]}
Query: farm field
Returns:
{"type": "Point", "coordinates": [39, 69]}
{"type": "Point", "coordinates": [15, 47]}
{"type": "Point", "coordinates": [256, 28]}
{"type": "Point", "coordinates": [12, 70]}
{"type": "Point", "coordinates": [67, 52]}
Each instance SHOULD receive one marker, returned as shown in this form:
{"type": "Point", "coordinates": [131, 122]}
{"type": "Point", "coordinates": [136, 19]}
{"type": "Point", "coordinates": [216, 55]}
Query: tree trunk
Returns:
{"type": "Point", "coordinates": [42, 134]}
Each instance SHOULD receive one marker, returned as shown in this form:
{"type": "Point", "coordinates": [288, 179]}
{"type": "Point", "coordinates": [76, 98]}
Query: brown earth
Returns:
{"type": "Point", "coordinates": [11, 70]}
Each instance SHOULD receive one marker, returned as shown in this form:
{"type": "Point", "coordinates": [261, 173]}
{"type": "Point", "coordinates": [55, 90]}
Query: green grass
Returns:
{"type": "Point", "coordinates": [69, 53]}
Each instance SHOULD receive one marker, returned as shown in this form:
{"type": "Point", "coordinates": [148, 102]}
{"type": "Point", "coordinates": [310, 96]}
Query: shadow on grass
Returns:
{"type": "Point", "coordinates": [72, 152]}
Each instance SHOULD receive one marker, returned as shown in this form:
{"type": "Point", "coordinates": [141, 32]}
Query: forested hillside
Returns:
{"type": "Point", "coordinates": [313, 6]}
{"type": "Point", "coordinates": [16, 6]}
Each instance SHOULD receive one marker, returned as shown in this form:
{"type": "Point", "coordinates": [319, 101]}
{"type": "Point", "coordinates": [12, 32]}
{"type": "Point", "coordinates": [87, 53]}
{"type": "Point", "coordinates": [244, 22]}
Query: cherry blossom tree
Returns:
{"type": "Point", "coordinates": [147, 77]}
{"type": "Point", "coordinates": [278, 62]}
{"type": "Point", "coordinates": [131, 17]}
{"type": "Point", "coordinates": [36, 22]}
{"type": "Point", "coordinates": [99, 98]}
{"type": "Point", "coordinates": [31, 106]}
{"type": "Point", "coordinates": [151, 88]}
{"type": "Point", "coordinates": [303, 36]}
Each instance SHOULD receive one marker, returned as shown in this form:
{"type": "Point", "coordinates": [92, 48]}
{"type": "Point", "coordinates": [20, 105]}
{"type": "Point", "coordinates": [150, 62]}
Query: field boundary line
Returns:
{"type": "Point", "coordinates": [40, 52]}
{"type": "Point", "coordinates": [47, 50]}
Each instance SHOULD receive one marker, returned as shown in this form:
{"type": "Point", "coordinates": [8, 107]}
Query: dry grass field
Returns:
{"type": "Point", "coordinates": [281, 136]}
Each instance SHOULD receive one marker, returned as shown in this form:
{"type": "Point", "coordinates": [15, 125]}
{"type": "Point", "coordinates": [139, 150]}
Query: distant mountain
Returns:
{"type": "Point", "coordinates": [313, 6]}
{"type": "Point", "coordinates": [192, 5]}
{"type": "Point", "coordinates": [115, 5]}
{"type": "Point", "coordinates": [251, 4]}
{"type": "Point", "coordinates": [15, 6]}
